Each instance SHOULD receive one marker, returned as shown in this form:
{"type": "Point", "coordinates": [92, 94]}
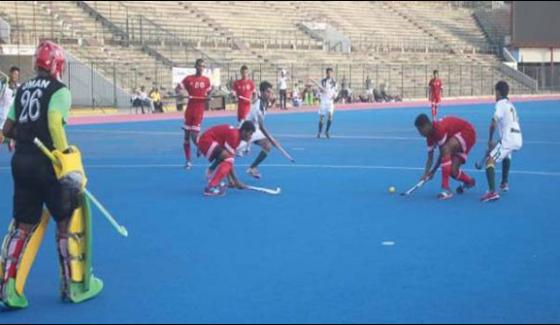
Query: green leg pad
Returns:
{"type": "Point", "coordinates": [12, 299]}
{"type": "Point", "coordinates": [77, 292]}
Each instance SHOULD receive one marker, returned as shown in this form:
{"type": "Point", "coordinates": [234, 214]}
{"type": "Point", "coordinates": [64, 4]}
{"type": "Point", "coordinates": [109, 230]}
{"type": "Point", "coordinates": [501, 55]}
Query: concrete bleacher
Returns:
{"type": "Point", "coordinates": [398, 42]}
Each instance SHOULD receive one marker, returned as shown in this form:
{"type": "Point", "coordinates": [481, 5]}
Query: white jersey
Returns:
{"type": "Point", "coordinates": [328, 93]}
{"type": "Point", "coordinates": [6, 100]}
{"type": "Point", "coordinates": [257, 113]}
{"type": "Point", "coordinates": [507, 121]}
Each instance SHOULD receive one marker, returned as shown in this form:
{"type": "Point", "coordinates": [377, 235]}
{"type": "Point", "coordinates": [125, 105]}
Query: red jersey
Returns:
{"type": "Point", "coordinates": [244, 88]}
{"type": "Point", "coordinates": [226, 136]}
{"type": "Point", "coordinates": [436, 87]}
{"type": "Point", "coordinates": [448, 128]}
{"type": "Point", "coordinates": [197, 87]}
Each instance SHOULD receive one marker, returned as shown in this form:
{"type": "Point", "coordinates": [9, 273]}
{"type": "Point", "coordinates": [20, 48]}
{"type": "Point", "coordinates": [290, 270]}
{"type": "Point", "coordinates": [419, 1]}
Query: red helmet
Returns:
{"type": "Point", "coordinates": [50, 57]}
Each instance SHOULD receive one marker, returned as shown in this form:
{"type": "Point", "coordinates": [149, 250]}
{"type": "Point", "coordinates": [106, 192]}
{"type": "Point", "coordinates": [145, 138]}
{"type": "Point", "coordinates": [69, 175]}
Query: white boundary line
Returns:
{"type": "Point", "coordinates": [299, 136]}
{"type": "Point", "coordinates": [315, 166]}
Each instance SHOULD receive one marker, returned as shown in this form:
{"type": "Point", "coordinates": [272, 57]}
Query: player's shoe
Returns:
{"type": "Point", "coordinates": [188, 165]}
{"type": "Point", "coordinates": [253, 172]}
{"type": "Point", "coordinates": [319, 135]}
{"type": "Point", "coordinates": [327, 135]}
{"type": "Point", "coordinates": [466, 186]}
{"type": "Point", "coordinates": [219, 190]}
{"type": "Point", "coordinates": [504, 187]}
{"type": "Point", "coordinates": [445, 194]}
{"type": "Point", "coordinates": [490, 197]}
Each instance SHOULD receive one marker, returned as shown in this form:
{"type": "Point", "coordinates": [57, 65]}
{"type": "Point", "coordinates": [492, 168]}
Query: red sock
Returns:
{"type": "Point", "coordinates": [222, 171]}
{"type": "Point", "coordinates": [463, 177]}
{"type": "Point", "coordinates": [434, 112]}
{"type": "Point", "coordinates": [15, 248]}
{"type": "Point", "coordinates": [187, 148]}
{"type": "Point", "coordinates": [446, 167]}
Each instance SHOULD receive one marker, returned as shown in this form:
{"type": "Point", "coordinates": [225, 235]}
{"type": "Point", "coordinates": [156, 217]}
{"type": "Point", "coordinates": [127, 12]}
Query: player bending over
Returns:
{"type": "Point", "coordinates": [219, 145]}
{"type": "Point", "coordinates": [455, 139]}
{"type": "Point", "coordinates": [506, 121]}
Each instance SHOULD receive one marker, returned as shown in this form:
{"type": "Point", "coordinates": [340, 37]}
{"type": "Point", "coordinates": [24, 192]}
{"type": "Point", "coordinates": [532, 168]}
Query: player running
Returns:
{"type": "Point", "coordinates": [219, 145]}
{"type": "Point", "coordinates": [455, 139]}
{"type": "Point", "coordinates": [328, 88]}
{"type": "Point", "coordinates": [244, 90]}
{"type": "Point", "coordinates": [506, 121]}
{"type": "Point", "coordinates": [40, 110]}
{"type": "Point", "coordinates": [199, 89]}
{"type": "Point", "coordinates": [435, 92]}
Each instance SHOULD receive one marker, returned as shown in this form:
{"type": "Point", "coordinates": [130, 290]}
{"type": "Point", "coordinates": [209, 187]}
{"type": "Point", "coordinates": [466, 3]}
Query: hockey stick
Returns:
{"type": "Point", "coordinates": [275, 191]}
{"type": "Point", "coordinates": [120, 229]}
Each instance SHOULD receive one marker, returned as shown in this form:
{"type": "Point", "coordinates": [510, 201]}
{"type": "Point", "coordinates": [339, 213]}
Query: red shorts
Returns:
{"type": "Point", "coordinates": [467, 139]}
{"type": "Point", "coordinates": [193, 118]}
{"type": "Point", "coordinates": [243, 112]}
{"type": "Point", "coordinates": [207, 146]}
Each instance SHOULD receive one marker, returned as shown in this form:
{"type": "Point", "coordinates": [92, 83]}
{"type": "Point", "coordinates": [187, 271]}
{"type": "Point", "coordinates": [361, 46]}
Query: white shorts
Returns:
{"type": "Point", "coordinates": [326, 108]}
{"type": "Point", "coordinates": [257, 136]}
{"type": "Point", "coordinates": [505, 150]}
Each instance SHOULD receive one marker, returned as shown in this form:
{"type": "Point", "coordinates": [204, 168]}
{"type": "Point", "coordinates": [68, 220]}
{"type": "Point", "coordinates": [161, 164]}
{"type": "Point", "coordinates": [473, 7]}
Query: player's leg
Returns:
{"type": "Point", "coordinates": [224, 161]}
{"type": "Point", "coordinates": [448, 150]}
{"type": "Point", "coordinates": [321, 119]}
{"type": "Point", "coordinates": [495, 156]}
{"type": "Point", "coordinates": [187, 147]}
{"type": "Point", "coordinates": [434, 111]}
{"type": "Point", "coordinates": [329, 120]}
{"type": "Point", "coordinates": [266, 146]}
{"type": "Point", "coordinates": [74, 247]}
{"type": "Point", "coordinates": [70, 208]}
{"type": "Point", "coordinates": [506, 165]}
{"type": "Point", "coordinates": [467, 140]}
{"type": "Point", "coordinates": [26, 232]}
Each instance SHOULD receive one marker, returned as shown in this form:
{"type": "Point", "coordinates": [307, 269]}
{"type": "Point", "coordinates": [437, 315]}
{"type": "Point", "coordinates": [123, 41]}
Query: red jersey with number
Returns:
{"type": "Point", "coordinates": [244, 88]}
{"type": "Point", "coordinates": [197, 87]}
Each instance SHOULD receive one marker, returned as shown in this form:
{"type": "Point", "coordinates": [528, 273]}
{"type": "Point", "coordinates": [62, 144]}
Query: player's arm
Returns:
{"type": "Point", "coordinates": [9, 130]}
{"type": "Point", "coordinates": [428, 174]}
{"type": "Point", "coordinates": [59, 109]}
{"type": "Point", "coordinates": [430, 90]}
{"type": "Point", "coordinates": [235, 181]}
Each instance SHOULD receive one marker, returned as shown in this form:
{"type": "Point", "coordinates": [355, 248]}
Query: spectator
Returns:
{"type": "Point", "coordinates": [344, 94]}
{"type": "Point", "coordinates": [296, 96]}
{"type": "Point", "coordinates": [283, 88]}
{"type": "Point", "coordinates": [13, 82]}
{"type": "Point", "coordinates": [377, 97]}
{"type": "Point", "coordinates": [369, 90]}
{"type": "Point", "coordinates": [145, 100]}
{"type": "Point", "coordinates": [308, 94]}
{"type": "Point", "coordinates": [180, 98]}
{"type": "Point", "coordinates": [155, 97]}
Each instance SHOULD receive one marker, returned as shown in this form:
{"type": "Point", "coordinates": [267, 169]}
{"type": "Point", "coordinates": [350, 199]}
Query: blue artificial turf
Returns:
{"type": "Point", "coordinates": [314, 253]}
